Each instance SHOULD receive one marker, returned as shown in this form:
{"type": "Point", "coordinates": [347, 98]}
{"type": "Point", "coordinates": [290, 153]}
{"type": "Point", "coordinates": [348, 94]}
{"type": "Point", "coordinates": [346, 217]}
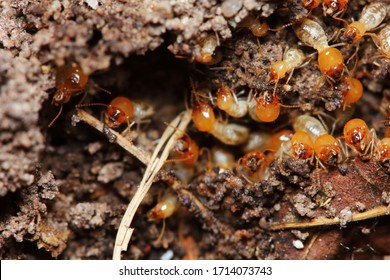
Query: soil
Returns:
{"type": "Point", "coordinates": [64, 189]}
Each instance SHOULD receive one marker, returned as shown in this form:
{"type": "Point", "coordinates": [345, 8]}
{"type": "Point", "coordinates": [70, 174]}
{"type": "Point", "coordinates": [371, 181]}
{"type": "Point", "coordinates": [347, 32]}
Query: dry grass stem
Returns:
{"type": "Point", "coordinates": [372, 213]}
{"type": "Point", "coordinates": [140, 154]}
{"type": "Point", "coordinates": [161, 153]}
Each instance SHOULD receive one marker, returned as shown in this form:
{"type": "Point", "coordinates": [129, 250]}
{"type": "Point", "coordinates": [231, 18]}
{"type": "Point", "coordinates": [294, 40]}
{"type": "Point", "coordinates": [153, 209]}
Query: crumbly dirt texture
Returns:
{"type": "Point", "coordinates": [64, 189]}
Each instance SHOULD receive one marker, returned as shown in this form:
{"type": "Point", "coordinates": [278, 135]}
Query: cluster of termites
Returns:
{"type": "Point", "coordinates": [220, 111]}
{"type": "Point", "coordinates": [72, 81]}
{"type": "Point", "coordinates": [310, 138]}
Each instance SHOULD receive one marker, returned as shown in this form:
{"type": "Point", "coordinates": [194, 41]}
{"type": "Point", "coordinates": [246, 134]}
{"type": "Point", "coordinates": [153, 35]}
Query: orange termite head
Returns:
{"type": "Point", "coordinates": [186, 150]}
{"type": "Point", "coordinates": [267, 107]}
{"type": "Point", "coordinates": [384, 150]}
{"type": "Point", "coordinates": [354, 32]}
{"type": "Point", "coordinates": [204, 57]}
{"type": "Point", "coordinates": [225, 98]}
{"type": "Point", "coordinates": [259, 29]}
{"type": "Point", "coordinates": [204, 52]}
{"type": "Point", "coordinates": [302, 145]}
{"type": "Point", "coordinates": [165, 208]}
{"type": "Point", "coordinates": [61, 96]}
{"type": "Point", "coordinates": [327, 149]}
{"type": "Point", "coordinates": [311, 4]}
{"type": "Point", "coordinates": [331, 62]}
{"type": "Point", "coordinates": [278, 70]}
{"type": "Point", "coordinates": [120, 110]}
{"type": "Point", "coordinates": [252, 160]}
{"type": "Point", "coordinates": [70, 81]}
{"type": "Point", "coordinates": [331, 7]}
{"type": "Point", "coordinates": [354, 91]}
{"type": "Point", "coordinates": [203, 116]}
{"type": "Point", "coordinates": [357, 134]}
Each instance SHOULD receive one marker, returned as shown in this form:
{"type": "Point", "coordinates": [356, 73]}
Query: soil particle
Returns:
{"type": "Point", "coordinates": [301, 235]}
{"type": "Point", "coordinates": [345, 216]}
{"type": "Point", "coordinates": [53, 236]}
{"type": "Point", "coordinates": [88, 215]}
{"type": "Point", "coordinates": [110, 171]}
{"type": "Point", "coordinates": [298, 244]}
{"type": "Point", "coordinates": [48, 186]}
{"type": "Point", "coordinates": [304, 206]}
{"type": "Point", "coordinates": [386, 197]}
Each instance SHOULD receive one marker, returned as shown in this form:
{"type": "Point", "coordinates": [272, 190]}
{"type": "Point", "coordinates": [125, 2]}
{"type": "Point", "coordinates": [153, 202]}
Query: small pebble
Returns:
{"type": "Point", "coordinates": [231, 7]}
{"type": "Point", "coordinates": [298, 244]}
{"type": "Point", "coordinates": [168, 255]}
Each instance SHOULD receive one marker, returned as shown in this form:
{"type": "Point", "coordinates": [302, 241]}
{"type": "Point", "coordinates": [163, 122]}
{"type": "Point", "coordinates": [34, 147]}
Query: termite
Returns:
{"type": "Point", "coordinates": [327, 150]}
{"type": "Point", "coordinates": [255, 163]}
{"type": "Point", "coordinates": [311, 4]}
{"type": "Point", "coordinates": [310, 125]}
{"type": "Point", "coordinates": [330, 59]}
{"type": "Point", "coordinates": [383, 148]}
{"type": "Point", "coordinates": [302, 145]}
{"type": "Point", "coordinates": [266, 107]}
{"type": "Point", "coordinates": [252, 160]}
{"type": "Point", "coordinates": [370, 18]}
{"type": "Point", "coordinates": [326, 147]}
{"type": "Point", "coordinates": [185, 150]}
{"type": "Point", "coordinates": [359, 137]}
{"type": "Point", "coordinates": [292, 59]}
{"type": "Point", "coordinates": [383, 39]}
{"type": "Point", "coordinates": [228, 102]}
{"type": "Point", "coordinates": [354, 91]}
{"type": "Point", "coordinates": [165, 208]}
{"type": "Point", "coordinates": [204, 120]}
{"type": "Point", "coordinates": [70, 81]}
{"type": "Point", "coordinates": [334, 8]}
{"type": "Point", "coordinates": [122, 110]}
{"type": "Point", "coordinates": [206, 53]}
{"type": "Point", "coordinates": [258, 29]}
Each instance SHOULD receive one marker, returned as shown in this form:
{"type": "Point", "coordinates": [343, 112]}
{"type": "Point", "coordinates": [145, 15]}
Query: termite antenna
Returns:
{"type": "Point", "coordinates": [102, 89]}
{"type": "Point", "coordinates": [181, 57]}
{"type": "Point", "coordinates": [302, 106]}
{"type": "Point", "coordinates": [283, 26]}
{"type": "Point", "coordinates": [90, 105]}
{"type": "Point", "coordinates": [159, 238]}
{"type": "Point", "coordinates": [177, 129]}
{"type": "Point", "coordinates": [56, 117]}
